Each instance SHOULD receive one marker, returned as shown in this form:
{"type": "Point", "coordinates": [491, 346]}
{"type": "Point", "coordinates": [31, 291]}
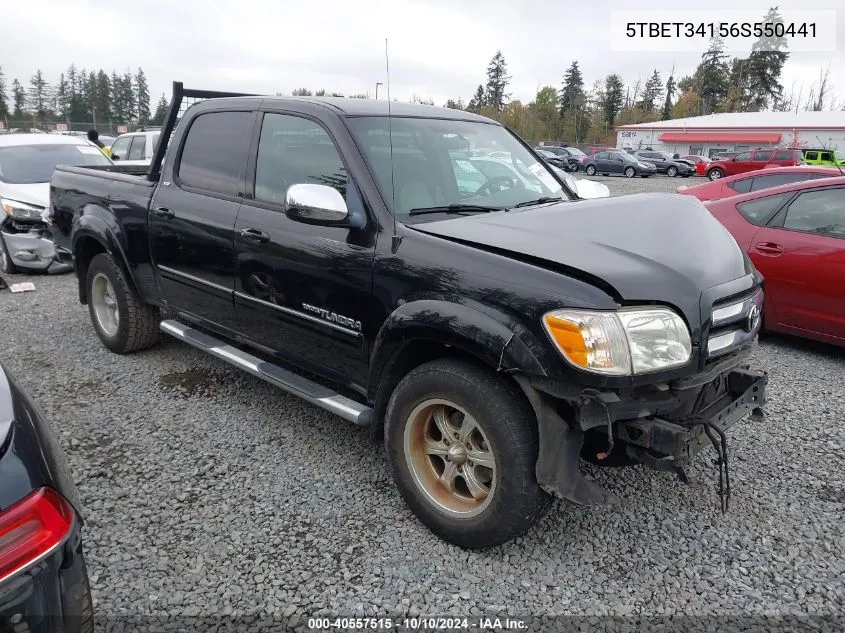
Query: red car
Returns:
{"type": "Point", "coordinates": [754, 181]}
{"type": "Point", "coordinates": [752, 160]}
{"type": "Point", "coordinates": [701, 163]}
{"type": "Point", "coordinates": [795, 235]}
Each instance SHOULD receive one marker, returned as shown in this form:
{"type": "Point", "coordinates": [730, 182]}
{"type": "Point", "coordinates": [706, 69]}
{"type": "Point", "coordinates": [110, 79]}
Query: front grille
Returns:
{"type": "Point", "coordinates": [734, 323]}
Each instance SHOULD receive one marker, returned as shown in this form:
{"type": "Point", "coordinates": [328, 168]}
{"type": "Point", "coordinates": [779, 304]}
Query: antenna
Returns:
{"type": "Point", "coordinates": [395, 243]}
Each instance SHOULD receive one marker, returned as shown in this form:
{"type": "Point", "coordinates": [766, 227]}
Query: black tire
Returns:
{"type": "Point", "coordinates": [7, 267]}
{"type": "Point", "coordinates": [715, 174]}
{"type": "Point", "coordinates": [137, 326]}
{"type": "Point", "coordinates": [630, 172]}
{"type": "Point", "coordinates": [672, 171]}
{"type": "Point", "coordinates": [590, 170]}
{"type": "Point", "coordinates": [516, 502]}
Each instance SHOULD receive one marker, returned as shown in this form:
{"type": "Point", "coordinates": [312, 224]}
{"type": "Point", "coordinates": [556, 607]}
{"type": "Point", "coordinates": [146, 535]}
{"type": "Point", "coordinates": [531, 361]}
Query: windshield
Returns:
{"type": "Point", "coordinates": [27, 164]}
{"type": "Point", "coordinates": [435, 164]}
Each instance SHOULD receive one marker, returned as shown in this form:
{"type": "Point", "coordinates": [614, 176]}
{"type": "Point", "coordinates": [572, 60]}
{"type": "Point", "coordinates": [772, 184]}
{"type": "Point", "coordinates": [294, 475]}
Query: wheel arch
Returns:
{"type": "Point", "coordinates": [92, 237]}
{"type": "Point", "coordinates": [422, 331]}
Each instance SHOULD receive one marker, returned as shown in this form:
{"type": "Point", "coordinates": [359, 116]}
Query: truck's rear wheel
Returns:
{"type": "Point", "coordinates": [123, 323]}
{"type": "Point", "coordinates": [462, 445]}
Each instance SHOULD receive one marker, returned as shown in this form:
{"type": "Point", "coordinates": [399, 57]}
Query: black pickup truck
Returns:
{"type": "Point", "coordinates": [490, 327]}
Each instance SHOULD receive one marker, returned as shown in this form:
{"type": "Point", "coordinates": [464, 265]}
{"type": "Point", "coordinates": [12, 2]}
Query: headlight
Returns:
{"type": "Point", "coordinates": [621, 343]}
{"type": "Point", "coordinates": [21, 210]}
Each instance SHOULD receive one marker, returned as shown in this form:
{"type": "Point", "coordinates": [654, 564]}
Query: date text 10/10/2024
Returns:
{"type": "Point", "coordinates": [417, 624]}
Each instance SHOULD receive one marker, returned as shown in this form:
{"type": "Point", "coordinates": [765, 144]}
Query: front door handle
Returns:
{"type": "Point", "coordinates": [768, 248]}
{"type": "Point", "coordinates": [164, 212]}
{"type": "Point", "coordinates": [255, 236]}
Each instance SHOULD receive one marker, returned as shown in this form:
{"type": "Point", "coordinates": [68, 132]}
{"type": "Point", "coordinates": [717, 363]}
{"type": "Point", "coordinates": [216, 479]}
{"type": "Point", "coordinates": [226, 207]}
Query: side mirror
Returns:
{"type": "Point", "coordinates": [316, 204]}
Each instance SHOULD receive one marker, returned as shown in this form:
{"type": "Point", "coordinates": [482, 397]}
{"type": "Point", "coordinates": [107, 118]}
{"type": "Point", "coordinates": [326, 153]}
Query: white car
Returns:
{"type": "Point", "coordinates": [27, 162]}
{"type": "Point", "coordinates": [134, 148]}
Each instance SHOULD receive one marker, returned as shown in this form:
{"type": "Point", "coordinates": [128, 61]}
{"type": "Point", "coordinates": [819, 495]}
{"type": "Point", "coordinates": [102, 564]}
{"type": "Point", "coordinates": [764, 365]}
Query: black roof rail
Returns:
{"type": "Point", "coordinates": [180, 93]}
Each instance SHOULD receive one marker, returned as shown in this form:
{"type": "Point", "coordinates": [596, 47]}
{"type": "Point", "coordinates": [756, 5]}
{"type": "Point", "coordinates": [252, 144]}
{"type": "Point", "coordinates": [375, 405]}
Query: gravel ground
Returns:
{"type": "Point", "coordinates": [207, 491]}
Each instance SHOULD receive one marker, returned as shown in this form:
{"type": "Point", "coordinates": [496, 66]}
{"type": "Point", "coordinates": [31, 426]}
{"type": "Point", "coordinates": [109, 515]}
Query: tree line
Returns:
{"type": "Point", "coordinates": [80, 96]}
{"type": "Point", "coordinates": [576, 114]}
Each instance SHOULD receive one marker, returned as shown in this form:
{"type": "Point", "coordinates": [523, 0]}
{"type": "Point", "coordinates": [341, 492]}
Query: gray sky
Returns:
{"type": "Point", "coordinates": [438, 48]}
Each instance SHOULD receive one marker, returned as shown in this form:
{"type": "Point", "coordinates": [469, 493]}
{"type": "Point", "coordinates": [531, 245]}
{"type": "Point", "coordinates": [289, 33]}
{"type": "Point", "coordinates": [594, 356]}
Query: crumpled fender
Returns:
{"type": "Point", "coordinates": [503, 345]}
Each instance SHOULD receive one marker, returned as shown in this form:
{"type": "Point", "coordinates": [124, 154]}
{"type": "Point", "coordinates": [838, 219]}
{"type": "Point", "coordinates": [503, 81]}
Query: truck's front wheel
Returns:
{"type": "Point", "coordinates": [122, 321]}
{"type": "Point", "coordinates": [462, 445]}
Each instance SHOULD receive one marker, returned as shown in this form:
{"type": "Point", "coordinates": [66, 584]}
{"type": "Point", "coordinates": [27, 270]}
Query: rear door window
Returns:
{"type": "Point", "coordinates": [743, 156]}
{"type": "Point", "coordinates": [136, 150]}
{"type": "Point", "coordinates": [821, 212]}
{"type": "Point", "coordinates": [761, 210]}
{"type": "Point", "coordinates": [214, 154]}
{"type": "Point", "coordinates": [762, 157]}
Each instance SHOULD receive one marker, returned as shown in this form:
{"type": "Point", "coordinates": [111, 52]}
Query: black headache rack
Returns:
{"type": "Point", "coordinates": [183, 98]}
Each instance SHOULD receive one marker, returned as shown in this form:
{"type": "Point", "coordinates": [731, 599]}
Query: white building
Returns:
{"type": "Point", "coordinates": [737, 132]}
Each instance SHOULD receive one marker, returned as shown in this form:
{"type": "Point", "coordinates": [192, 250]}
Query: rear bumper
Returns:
{"type": "Point", "coordinates": [678, 441]}
{"type": "Point", "coordinates": [35, 251]}
{"type": "Point", "coordinates": [52, 595]}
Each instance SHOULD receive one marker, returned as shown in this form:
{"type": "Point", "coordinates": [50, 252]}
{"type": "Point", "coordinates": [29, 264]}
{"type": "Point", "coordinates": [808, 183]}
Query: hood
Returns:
{"type": "Point", "coordinates": [37, 193]}
{"type": "Point", "coordinates": [652, 247]}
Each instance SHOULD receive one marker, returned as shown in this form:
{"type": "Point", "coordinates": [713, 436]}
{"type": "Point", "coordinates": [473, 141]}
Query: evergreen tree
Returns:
{"type": "Point", "coordinates": [711, 76]}
{"type": "Point", "coordinates": [768, 56]}
{"type": "Point", "coordinates": [78, 111]}
{"type": "Point", "coordinates": [455, 105]}
{"type": "Point", "coordinates": [651, 92]}
{"type": "Point", "coordinates": [478, 100]}
{"type": "Point", "coordinates": [613, 96]}
{"type": "Point", "coordinates": [573, 87]}
{"type": "Point", "coordinates": [142, 98]}
{"type": "Point", "coordinates": [62, 98]}
{"type": "Point", "coordinates": [18, 98]}
{"type": "Point", "coordinates": [91, 97]}
{"type": "Point", "coordinates": [39, 96]}
{"type": "Point", "coordinates": [130, 100]}
{"type": "Point", "coordinates": [301, 92]}
{"type": "Point", "coordinates": [4, 97]}
{"type": "Point", "coordinates": [103, 97]}
{"type": "Point", "coordinates": [666, 113]}
{"type": "Point", "coordinates": [738, 97]}
{"type": "Point", "coordinates": [321, 93]}
{"type": "Point", "coordinates": [161, 111]}
{"type": "Point", "coordinates": [497, 82]}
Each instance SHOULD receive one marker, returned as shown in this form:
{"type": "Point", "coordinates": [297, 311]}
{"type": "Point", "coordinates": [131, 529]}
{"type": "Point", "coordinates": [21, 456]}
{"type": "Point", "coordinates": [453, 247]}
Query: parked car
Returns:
{"type": "Point", "coordinates": [752, 160]}
{"type": "Point", "coordinates": [135, 148]}
{"type": "Point", "coordinates": [795, 235]}
{"type": "Point", "coordinates": [486, 336]}
{"type": "Point", "coordinates": [561, 162]}
{"type": "Point", "coordinates": [43, 578]}
{"type": "Point", "coordinates": [699, 161]}
{"type": "Point", "coordinates": [573, 155]}
{"type": "Point", "coordinates": [26, 165]}
{"type": "Point", "coordinates": [823, 157]}
{"type": "Point", "coordinates": [666, 163]}
{"type": "Point", "coordinates": [755, 181]}
{"type": "Point", "coordinates": [585, 188]}
{"type": "Point", "coordinates": [618, 162]}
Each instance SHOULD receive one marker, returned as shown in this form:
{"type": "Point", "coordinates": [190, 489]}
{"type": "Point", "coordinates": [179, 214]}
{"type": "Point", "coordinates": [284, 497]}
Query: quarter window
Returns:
{"type": "Point", "coordinates": [215, 152]}
{"type": "Point", "coordinates": [741, 186]}
{"type": "Point", "coordinates": [787, 155]}
{"type": "Point", "coordinates": [293, 150]}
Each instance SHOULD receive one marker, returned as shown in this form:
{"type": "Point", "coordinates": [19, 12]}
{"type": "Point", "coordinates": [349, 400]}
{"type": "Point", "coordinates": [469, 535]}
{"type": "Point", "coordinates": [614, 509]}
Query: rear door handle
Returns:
{"type": "Point", "coordinates": [768, 248]}
{"type": "Point", "coordinates": [164, 212]}
{"type": "Point", "coordinates": [255, 236]}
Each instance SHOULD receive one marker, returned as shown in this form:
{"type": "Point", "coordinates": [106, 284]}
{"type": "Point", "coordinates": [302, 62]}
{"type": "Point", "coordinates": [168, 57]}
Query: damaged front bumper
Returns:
{"type": "Point", "coordinates": [663, 429]}
{"type": "Point", "coordinates": [34, 250]}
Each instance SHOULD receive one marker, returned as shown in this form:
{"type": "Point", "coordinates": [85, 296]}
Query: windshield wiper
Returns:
{"type": "Point", "coordinates": [529, 203]}
{"type": "Point", "coordinates": [454, 208]}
